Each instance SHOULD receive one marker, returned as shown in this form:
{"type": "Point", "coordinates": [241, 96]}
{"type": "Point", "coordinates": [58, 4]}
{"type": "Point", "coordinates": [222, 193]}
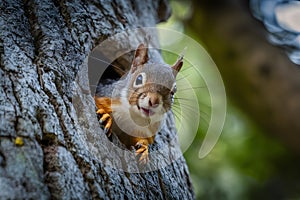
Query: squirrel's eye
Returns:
{"type": "Point", "coordinates": [174, 89]}
{"type": "Point", "coordinates": [172, 92]}
{"type": "Point", "coordinates": [140, 80]}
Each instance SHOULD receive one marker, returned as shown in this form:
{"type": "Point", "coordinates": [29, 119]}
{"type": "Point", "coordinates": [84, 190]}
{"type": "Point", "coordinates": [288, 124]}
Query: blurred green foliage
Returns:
{"type": "Point", "coordinates": [246, 163]}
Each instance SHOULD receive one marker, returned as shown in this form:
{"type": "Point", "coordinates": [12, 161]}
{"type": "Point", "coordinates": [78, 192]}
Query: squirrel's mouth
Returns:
{"type": "Point", "coordinates": [147, 111]}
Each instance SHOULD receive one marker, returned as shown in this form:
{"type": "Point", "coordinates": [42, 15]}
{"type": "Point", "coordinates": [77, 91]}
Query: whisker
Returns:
{"type": "Point", "coordinates": [182, 98]}
{"type": "Point", "coordinates": [201, 105]}
{"type": "Point", "coordinates": [178, 115]}
{"type": "Point", "coordinates": [183, 77]}
{"type": "Point", "coordinates": [190, 109]}
{"type": "Point", "coordinates": [203, 115]}
{"type": "Point", "coordinates": [98, 59]}
{"type": "Point", "coordinates": [186, 100]}
{"type": "Point", "coordinates": [176, 112]}
{"type": "Point", "coordinates": [114, 66]}
{"type": "Point", "coordinates": [183, 89]}
{"type": "Point", "coordinates": [204, 120]}
{"type": "Point", "coordinates": [187, 68]}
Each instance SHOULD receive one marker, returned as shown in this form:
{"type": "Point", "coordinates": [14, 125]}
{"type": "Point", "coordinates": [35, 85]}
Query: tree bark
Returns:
{"type": "Point", "coordinates": [258, 75]}
{"type": "Point", "coordinates": [45, 142]}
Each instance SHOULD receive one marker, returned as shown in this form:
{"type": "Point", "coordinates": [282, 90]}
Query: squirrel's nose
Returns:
{"type": "Point", "coordinates": [153, 101]}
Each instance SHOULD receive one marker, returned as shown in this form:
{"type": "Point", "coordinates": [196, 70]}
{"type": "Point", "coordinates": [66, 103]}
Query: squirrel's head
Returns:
{"type": "Point", "coordinates": [152, 85]}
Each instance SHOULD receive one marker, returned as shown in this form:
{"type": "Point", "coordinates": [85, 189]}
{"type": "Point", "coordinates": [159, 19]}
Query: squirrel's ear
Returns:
{"type": "Point", "coordinates": [178, 64]}
{"type": "Point", "coordinates": [140, 57]}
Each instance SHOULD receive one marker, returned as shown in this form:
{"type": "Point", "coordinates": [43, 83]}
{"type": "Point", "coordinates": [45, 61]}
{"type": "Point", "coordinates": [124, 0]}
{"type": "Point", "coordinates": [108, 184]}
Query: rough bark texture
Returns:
{"type": "Point", "coordinates": [258, 75]}
{"type": "Point", "coordinates": [43, 45]}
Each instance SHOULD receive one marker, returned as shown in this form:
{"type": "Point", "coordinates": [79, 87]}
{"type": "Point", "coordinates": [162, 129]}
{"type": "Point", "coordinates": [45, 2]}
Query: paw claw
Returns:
{"type": "Point", "coordinates": [103, 111]}
{"type": "Point", "coordinates": [105, 120]}
{"type": "Point", "coordinates": [143, 152]}
{"type": "Point", "coordinates": [107, 132]}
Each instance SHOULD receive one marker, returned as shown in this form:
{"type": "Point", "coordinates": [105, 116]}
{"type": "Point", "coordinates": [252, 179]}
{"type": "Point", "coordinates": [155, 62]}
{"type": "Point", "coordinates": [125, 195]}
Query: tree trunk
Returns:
{"type": "Point", "coordinates": [49, 131]}
{"type": "Point", "coordinates": [258, 75]}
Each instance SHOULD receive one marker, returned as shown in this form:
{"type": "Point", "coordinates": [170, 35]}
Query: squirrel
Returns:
{"type": "Point", "coordinates": [137, 107]}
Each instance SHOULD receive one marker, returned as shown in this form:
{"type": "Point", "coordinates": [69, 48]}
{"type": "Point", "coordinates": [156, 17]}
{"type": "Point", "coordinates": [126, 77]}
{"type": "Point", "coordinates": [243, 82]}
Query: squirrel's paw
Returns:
{"type": "Point", "coordinates": [105, 120]}
{"type": "Point", "coordinates": [142, 152]}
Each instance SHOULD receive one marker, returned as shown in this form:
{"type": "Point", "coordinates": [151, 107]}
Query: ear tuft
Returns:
{"type": "Point", "coordinates": [178, 64]}
{"type": "Point", "coordinates": [140, 57]}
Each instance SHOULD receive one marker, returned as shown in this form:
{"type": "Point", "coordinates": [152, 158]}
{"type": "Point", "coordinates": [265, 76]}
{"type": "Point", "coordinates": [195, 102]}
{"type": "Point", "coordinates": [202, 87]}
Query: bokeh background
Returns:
{"type": "Point", "coordinates": [257, 155]}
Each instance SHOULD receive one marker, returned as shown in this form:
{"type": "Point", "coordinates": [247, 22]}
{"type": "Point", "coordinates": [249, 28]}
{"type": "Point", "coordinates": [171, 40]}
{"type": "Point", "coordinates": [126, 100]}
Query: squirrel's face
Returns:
{"type": "Point", "coordinates": [151, 90]}
{"type": "Point", "coordinates": [152, 85]}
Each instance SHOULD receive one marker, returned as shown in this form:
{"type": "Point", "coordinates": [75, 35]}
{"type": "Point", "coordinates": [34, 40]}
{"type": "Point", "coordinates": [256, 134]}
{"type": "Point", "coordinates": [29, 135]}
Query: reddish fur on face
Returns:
{"type": "Point", "coordinates": [153, 91]}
